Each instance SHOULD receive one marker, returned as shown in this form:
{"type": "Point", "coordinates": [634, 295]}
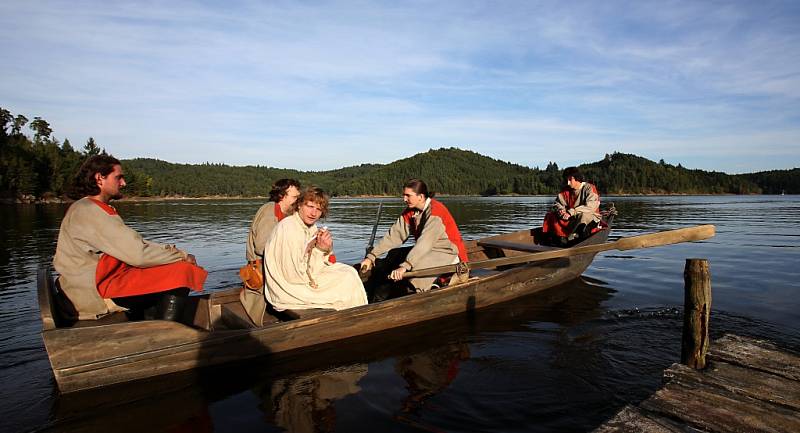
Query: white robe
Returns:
{"type": "Point", "coordinates": [296, 280]}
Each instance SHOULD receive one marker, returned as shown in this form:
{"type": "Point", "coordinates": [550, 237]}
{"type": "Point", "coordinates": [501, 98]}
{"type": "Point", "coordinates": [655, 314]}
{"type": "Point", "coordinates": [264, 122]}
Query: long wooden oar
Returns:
{"type": "Point", "coordinates": [668, 237]}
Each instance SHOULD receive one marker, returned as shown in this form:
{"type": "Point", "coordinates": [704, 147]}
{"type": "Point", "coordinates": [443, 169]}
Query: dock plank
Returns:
{"type": "Point", "coordinates": [716, 410]}
{"type": "Point", "coordinates": [633, 420]}
{"type": "Point", "coordinates": [756, 354]}
{"type": "Point", "coordinates": [735, 379]}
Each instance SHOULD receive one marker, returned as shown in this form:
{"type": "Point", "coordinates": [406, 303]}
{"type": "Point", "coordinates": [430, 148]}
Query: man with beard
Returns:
{"type": "Point", "coordinates": [104, 264]}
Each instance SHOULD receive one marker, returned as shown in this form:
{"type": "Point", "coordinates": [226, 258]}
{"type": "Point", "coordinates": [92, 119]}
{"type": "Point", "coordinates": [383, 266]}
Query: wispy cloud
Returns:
{"type": "Point", "coordinates": [351, 82]}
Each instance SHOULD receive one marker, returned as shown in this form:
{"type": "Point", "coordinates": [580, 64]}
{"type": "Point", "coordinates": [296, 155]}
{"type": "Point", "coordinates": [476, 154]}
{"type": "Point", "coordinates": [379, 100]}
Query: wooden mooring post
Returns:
{"type": "Point", "coordinates": [696, 313]}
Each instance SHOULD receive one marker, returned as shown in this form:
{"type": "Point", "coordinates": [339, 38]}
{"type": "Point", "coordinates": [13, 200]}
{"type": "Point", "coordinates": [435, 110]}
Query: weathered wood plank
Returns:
{"type": "Point", "coordinates": [515, 246]}
{"type": "Point", "coordinates": [633, 420]}
{"type": "Point", "coordinates": [716, 410]}
{"type": "Point", "coordinates": [735, 379]}
{"type": "Point", "coordinates": [307, 313]}
{"type": "Point", "coordinates": [235, 317]}
{"type": "Point", "coordinates": [756, 354]}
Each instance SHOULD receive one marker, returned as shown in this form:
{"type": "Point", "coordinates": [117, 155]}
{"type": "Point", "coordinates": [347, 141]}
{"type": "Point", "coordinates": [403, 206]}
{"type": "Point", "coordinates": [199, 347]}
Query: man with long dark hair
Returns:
{"type": "Point", "coordinates": [438, 240]}
{"type": "Point", "coordinates": [282, 196]}
{"type": "Point", "coordinates": [104, 264]}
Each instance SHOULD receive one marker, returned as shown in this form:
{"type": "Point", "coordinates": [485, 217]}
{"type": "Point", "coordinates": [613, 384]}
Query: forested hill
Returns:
{"type": "Point", "coordinates": [39, 166]}
{"type": "Point", "coordinates": [460, 172]}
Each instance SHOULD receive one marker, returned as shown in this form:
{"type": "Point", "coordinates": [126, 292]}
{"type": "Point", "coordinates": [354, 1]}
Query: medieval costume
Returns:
{"type": "Point", "coordinates": [438, 241]}
{"type": "Point", "coordinates": [298, 275]}
{"type": "Point", "coordinates": [265, 220]}
{"type": "Point", "coordinates": [582, 206]}
{"type": "Point", "coordinates": [252, 295]}
{"type": "Point", "coordinates": [99, 258]}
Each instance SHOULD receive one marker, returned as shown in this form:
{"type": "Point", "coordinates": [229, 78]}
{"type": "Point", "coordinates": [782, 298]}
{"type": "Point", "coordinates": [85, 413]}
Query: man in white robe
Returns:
{"type": "Point", "coordinates": [298, 270]}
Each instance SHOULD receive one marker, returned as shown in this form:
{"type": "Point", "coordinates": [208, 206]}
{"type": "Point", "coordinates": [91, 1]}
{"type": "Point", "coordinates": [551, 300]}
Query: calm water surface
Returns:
{"type": "Point", "coordinates": [564, 360]}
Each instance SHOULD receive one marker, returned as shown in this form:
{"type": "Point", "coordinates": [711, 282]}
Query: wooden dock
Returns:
{"type": "Point", "coordinates": [748, 385]}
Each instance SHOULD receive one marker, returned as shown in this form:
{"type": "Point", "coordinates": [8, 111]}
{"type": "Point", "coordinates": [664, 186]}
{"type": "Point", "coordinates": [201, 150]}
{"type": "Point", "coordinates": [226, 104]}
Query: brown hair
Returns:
{"type": "Point", "coordinates": [572, 172]}
{"type": "Point", "coordinates": [85, 183]}
{"type": "Point", "coordinates": [418, 186]}
{"type": "Point", "coordinates": [279, 188]}
{"type": "Point", "coordinates": [316, 195]}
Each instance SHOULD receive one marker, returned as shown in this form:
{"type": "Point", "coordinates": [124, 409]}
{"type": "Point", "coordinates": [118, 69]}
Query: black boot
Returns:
{"type": "Point", "coordinates": [171, 305]}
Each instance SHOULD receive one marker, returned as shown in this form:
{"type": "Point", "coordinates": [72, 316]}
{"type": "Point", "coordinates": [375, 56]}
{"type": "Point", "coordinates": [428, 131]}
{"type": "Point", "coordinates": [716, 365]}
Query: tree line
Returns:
{"type": "Point", "coordinates": [39, 166]}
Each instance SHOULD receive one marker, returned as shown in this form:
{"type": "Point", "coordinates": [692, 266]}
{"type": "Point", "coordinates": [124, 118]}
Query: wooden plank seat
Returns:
{"type": "Point", "coordinates": [516, 246]}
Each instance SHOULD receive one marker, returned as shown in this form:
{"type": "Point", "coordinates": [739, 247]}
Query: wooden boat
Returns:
{"type": "Point", "coordinates": [163, 402]}
{"type": "Point", "coordinates": [93, 354]}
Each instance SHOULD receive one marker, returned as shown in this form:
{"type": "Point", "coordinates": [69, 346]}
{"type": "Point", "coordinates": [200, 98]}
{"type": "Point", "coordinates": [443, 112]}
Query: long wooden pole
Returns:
{"type": "Point", "coordinates": [374, 228]}
{"type": "Point", "coordinates": [666, 237]}
{"type": "Point", "coordinates": [696, 313]}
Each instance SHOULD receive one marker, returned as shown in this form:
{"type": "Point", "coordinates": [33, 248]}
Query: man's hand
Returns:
{"type": "Point", "coordinates": [563, 214]}
{"type": "Point", "coordinates": [191, 259]}
{"type": "Point", "coordinates": [325, 241]}
{"type": "Point", "coordinates": [366, 265]}
{"type": "Point", "coordinates": [397, 274]}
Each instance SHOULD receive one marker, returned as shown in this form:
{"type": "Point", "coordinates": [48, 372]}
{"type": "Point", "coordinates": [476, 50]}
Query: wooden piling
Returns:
{"type": "Point", "coordinates": [696, 313]}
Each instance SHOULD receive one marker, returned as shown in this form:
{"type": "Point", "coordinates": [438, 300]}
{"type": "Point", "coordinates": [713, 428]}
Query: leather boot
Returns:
{"type": "Point", "coordinates": [170, 307]}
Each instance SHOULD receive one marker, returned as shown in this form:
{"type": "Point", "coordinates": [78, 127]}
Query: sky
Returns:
{"type": "Point", "coordinates": [316, 85]}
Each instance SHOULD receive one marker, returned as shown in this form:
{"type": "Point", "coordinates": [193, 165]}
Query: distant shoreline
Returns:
{"type": "Point", "coordinates": [60, 200]}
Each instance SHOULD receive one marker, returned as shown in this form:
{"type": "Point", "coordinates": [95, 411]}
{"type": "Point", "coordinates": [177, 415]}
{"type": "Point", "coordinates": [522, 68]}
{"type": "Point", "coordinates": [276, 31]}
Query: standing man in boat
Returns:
{"type": "Point", "coordinates": [300, 271]}
{"type": "Point", "coordinates": [104, 264]}
{"type": "Point", "coordinates": [576, 209]}
{"type": "Point", "coordinates": [282, 197]}
{"type": "Point", "coordinates": [438, 241]}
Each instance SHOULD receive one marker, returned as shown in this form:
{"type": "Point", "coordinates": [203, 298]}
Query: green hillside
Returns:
{"type": "Point", "coordinates": [41, 166]}
{"type": "Point", "coordinates": [776, 181]}
{"type": "Point", "coordinates": [447, 171]}
{"type": "Point", "coordinates": [620, 173]}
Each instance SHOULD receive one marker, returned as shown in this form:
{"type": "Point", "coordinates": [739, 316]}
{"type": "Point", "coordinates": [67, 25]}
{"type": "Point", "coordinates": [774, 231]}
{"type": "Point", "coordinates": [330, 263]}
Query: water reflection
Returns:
{"type": "Point", "coordinates": [305, 402]}
{"type": "Point", "coordinates": [429, 373]}
{"type": "Point", "coordinates": [572, 355]}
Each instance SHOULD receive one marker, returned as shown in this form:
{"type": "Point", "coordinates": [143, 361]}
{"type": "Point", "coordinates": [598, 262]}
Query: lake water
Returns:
{"type": "Point", "coordinates": [563, 360]}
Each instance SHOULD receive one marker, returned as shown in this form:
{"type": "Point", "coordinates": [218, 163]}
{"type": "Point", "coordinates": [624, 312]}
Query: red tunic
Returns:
{"type": "Point", "coordinates": [450, 227]}
{"type": "Point", "coordinates": [117, 279]}
{"type": "Point", "coordinates": [553, 222]}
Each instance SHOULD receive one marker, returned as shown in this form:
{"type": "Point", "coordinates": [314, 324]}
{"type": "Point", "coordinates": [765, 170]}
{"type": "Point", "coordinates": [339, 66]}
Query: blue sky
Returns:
{"type": "Point", "coordinates": [317, 85]}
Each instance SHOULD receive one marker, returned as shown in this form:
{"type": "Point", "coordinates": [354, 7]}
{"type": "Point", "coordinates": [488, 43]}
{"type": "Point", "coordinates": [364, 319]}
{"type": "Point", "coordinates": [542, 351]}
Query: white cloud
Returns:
{"type": "Point", "coordinates": [360, 82]}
